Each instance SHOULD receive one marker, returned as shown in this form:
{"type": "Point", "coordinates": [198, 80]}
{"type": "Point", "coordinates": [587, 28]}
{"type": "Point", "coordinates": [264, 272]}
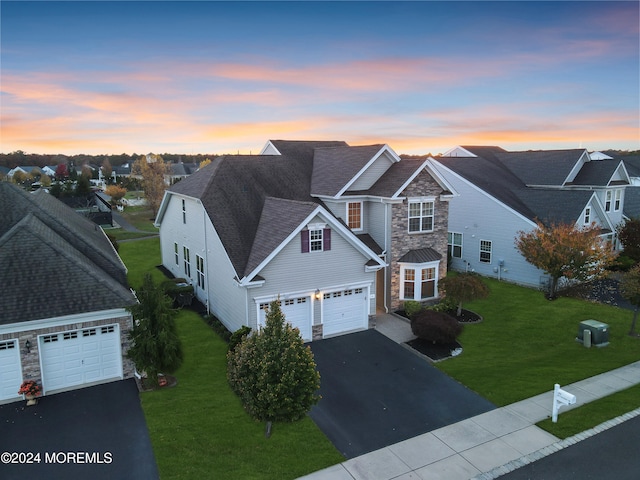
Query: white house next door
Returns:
{"type": "Point", "coordinates": [80, 356]}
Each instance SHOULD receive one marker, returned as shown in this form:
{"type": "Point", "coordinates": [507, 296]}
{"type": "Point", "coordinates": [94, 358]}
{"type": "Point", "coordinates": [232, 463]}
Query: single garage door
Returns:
{"type": "Point", "coordinates": [344, 311]}
{"type": "Point", "coordinates": [80, 356]}
{"type": "Point", "coordinates": [10, 370]}
{"type": "Point", "coordinates": [297, 311]}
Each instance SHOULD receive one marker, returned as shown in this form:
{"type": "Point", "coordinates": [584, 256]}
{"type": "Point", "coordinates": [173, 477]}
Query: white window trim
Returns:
{"type": "Point", "coordinates": [608, 201]}
{"type": "Point", "coordinates": [184, 211]}
{"type": "Point", "coordinates": [186, 257]}
{"type": "Point", "coordinates": [617, 200]}
{"type": "Point", "coordinates": [453, 234]}
{"type": "Point", "coordinates": [200, 271]}
{"type": "Point", "coordinates": [421, 200]}
{"type": "Point", "coordinates": [311, 240]}
{"type": "Point", "coordinates": [418, 267]}
{"type": "Point", "coordinates": [490, 252]}
{"type": "Point", "coordinates": [361, 215]}
{"type": "Point", "coordinates": [586, 219]}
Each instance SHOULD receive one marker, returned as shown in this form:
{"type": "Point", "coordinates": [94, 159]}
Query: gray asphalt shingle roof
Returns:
{"type": "Point", "coordinates": [233, 190]}
{"type": "Point", "coordinates": [334, 167]}
{"type": "Point", "coordinates": [44, 274]}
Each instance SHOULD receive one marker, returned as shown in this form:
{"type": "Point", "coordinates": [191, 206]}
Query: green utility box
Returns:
{"type": "Point", "coordinates": [598, 332]}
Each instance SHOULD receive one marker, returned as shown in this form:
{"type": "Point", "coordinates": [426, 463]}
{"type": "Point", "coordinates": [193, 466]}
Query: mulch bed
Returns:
{"type": "Point", "coordinates": [144, 385]}
{"type": "Point", "coordinates": [436, 352]}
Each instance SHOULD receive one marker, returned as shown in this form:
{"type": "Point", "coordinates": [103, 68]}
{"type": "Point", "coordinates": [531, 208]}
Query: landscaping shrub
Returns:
{"type": "Point", "coordinates": [622, 264]}
{"type": "Point", "coordinates": [218, 327]}
{"type": "Point", "coordinates": [436, 327]}
{"type": "Point", "coordinates": [238, 336]}
{"type": "Point", "coordinates": [412, 307]}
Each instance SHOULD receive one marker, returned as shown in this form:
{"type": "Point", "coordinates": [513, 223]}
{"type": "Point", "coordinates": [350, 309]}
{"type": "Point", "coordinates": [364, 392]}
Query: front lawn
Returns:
{"type": "Point", "coordinates": [198, 428]}
{"type": "Point", "coordinates": [526, 344]}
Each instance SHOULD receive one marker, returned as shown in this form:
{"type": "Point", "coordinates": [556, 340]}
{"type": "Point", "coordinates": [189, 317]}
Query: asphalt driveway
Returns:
{"type": "Point", "coordinates": [376, 392]}
{"type": "Point", "coordinates": [96, 432]}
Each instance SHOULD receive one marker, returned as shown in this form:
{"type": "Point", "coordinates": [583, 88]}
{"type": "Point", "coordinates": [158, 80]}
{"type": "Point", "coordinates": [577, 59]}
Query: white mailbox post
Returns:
{"type": "Point", "coordinates": [560, 398]}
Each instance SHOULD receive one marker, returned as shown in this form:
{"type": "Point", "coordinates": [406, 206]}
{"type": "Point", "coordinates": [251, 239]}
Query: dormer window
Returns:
{"type": "Point", "coordinates": [354, 215]}
{"type": "Point", "coordinates": [316, 238]}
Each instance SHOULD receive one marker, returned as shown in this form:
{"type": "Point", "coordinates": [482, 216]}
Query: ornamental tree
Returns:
{"type": "Point", "coordinates": [155, 345]}
{"type": "Point", "coordinates": [463, 287]}
{"type": "Point", "coordinates": [116, 193]}
{"type": "Point", "coordinates": [630, 290]}
{"type": "Point", "coordinates": [273, 372]}
{"type": "Point", "coordinates": [152, 169]}
{"type": "Point", "coordinates": [563, 250]}
{"type": "Point", "coordinates": [629, 236]}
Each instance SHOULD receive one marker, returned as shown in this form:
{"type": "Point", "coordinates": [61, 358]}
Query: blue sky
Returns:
{"type": "Point", "coordinates": [224, 77]}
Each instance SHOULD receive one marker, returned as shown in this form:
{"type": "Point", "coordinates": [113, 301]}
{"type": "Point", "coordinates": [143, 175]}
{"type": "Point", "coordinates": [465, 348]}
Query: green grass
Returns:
{"type": "Point", "coordinates": [594, 413]}
{"type": "Point", "coordinates": [140, 217]}
{"type": "Point", "coordinates": [199, 429]}
{"type": "Point", "coordinates": [526, 344]}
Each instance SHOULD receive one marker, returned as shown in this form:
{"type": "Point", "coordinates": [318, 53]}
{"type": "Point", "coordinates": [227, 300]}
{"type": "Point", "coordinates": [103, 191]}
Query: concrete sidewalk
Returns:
{"type": "Point", "coordinates": [485, 446]}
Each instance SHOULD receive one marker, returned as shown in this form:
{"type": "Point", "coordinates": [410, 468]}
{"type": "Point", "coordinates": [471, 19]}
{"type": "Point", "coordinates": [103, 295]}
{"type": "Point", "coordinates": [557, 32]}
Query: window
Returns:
{"type": "Point", "coordinates": [418, 282]}
{"type": "Point", "coordinates": [109, 329]}
{"type": "Point", "coordinates": [200, 270]}
{"type": "Point", "coordinates": [184, 211]}
{"type": "Point", "coordinates": [485, 251]}
{"type": "Point", "coordinates": [354, 215]}
{"type": "Point", "coordinates": [587, 215]}
{"type": "Point", "coordinates": [315, 239]}
{"type": "Point", "coordinates": [618, 200]}
{"type": "Point", "coordinates": [421, 216]}
{"type": "Point", "coordinates": [175, 252]}
{"type": "Point", "coordinates": [187, 261]}
{"type": "Point", "coordinates": [607, 203]}
{"type": "Point", "coordinates": [454, 244]}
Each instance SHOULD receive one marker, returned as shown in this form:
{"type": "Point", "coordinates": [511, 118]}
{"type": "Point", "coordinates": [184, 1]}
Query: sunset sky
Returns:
{"type": "Point", "coordinates": [224, 77]}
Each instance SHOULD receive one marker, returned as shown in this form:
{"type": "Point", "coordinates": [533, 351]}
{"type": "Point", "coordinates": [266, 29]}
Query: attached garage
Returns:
{"type": "Point", "coordinates": [344, 311]}
{"type": "Point", "coordinates": [297, 312]}
{"type": "Point", "coordinates": [10, 369]}
{"type": "Point", "coordinates": [78, 357]}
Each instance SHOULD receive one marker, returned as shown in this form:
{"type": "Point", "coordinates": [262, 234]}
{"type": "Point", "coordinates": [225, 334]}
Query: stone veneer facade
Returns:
{"type": "Point", "coordinates": [402, 241]}
{"type": "Point", "coordinates": [31, 361]}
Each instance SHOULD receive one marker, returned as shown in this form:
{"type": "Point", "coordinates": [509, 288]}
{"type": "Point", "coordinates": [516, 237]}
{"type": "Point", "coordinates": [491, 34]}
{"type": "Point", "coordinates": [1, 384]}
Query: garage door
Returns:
{"type": "Point", "coordinates": [344, 311]}
{"type": "Point", "coordinates": [80, 356]}
{"type": "Point", "coordinates": [297, 311]}
{"type": "Point", "coordinates": [10, 370]}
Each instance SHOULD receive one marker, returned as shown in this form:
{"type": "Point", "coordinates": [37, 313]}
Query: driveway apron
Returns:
{"type": "Point", "coordinates": [96, 432]}
{"type": "Point", "coordinates": [376, 393]}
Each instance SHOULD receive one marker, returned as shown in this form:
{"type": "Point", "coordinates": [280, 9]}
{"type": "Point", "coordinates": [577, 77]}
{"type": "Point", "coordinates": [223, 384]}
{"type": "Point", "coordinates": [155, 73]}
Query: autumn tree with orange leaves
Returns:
{"type": "Point", "coordinates": [562, 250]}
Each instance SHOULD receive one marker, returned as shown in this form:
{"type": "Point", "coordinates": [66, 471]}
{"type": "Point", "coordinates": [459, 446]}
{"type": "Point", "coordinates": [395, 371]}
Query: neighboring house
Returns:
{"type": "Point", "coordinates": [502, 193]}
{"type": "Point", "coordinates": [632, 193]}
{"type": "Point", "coordinates": [27, 170]}
{"type": "Point", "coordinates": [77, 333]}
{"type": "Point", "coordinates": [334, 231]}
{"type": "Point", "coordinates": [95, 207]}
{"type": "Point", "coordinates": [4, 172]}
{"type": "Point", "coordinates": [179, 171]}
{"type": "Point", "coordinates": [50, 170]}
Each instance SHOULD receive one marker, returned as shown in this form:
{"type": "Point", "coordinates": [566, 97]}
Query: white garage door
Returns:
{"type": "Point", "coordinates": [10, 370]}
{"type": "Point", "coordinates": [297, 311]}
{"type": "Point", "coordinates": [344, 311]}
{"type": "Point", "coordinates": [80, 356]}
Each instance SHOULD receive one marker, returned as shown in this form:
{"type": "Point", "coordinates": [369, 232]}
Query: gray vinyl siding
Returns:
{"type": "Point", "coordinates": [374, 214]}
{"type": "Point", "coordinates": [226, 300]}
{"type": "Point", "coordinates": [479, 217]}
{"type": "Point", "coordinates": [304, 273]}
{"type": "Point", "coordinates": [338, 209]}
{"type": "Point", "coordinates": [372, 174]}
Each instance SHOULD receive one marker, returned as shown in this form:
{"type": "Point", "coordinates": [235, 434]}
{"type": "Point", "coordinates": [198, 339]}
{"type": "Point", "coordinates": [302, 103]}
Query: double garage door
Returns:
{"type": "Point", "coordinates": [342, 311]}
{"type": "Point", "coordinates": [82, 356]}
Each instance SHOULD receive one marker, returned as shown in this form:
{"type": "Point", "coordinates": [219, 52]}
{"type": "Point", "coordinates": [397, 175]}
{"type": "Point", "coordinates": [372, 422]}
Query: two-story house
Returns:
{"type": "Point", "coordinates": [333, 231]}
{"type": "Point", "coordinates": [501, 193]}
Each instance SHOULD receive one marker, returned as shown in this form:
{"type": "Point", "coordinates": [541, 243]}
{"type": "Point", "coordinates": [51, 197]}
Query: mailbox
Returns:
{"type": "Point", "coordinates": [560, 398]}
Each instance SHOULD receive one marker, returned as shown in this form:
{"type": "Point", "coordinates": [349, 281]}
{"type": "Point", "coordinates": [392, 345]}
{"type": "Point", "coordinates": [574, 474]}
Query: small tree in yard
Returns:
{"type": "Point", "coordinates": [630, 289]}
{"type": "Point", "coordinates": [273, 372]}
{"type": "Point", "coordinates": [155, 345]}
{"type": "Point", "coordinates": [629, 236]}
{"type": "Point", "coordinates": [563, 250]}
{"type": "Point", "coordinates": [464, 287]}
{"type": "Point", "coordinates": [116, 193]}
{"type": "Point", "coordinates": [436, 327]}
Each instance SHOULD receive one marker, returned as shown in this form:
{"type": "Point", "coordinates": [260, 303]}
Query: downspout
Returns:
{"type": "Point", "coordinates": [386, 272]}
{"type": "Point", "coordinates": [206, 253]}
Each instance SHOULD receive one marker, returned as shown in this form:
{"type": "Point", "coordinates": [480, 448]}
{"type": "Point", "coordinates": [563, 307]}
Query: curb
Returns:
{"type": "Point", "coordinates": [555, 447]}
